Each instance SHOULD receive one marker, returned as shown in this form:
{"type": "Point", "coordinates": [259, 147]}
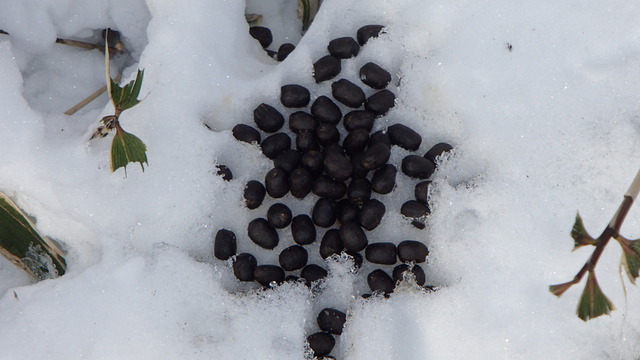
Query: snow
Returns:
{"type": "Point", "coordinates": [540, 132]}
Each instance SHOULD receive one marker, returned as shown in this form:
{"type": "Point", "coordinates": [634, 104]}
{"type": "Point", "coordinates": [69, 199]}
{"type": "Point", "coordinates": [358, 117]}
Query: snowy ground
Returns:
{"type": "Point", "coordinates": [541, 130]}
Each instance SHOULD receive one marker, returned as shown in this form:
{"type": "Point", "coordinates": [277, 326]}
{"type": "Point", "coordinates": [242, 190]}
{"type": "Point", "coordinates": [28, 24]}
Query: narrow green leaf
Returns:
{"type": "Point", "coordinates": [559, 289]}
{"type": "Point", "coordinates": [127, 148]}
{"type": "Point", "coordinates": [127, 97]}
{"type": "Point", "coordinates": [580, 235]}
{"type": "Point", "coordinates": [631, 258]}
{"type": "Point", "coordinates": [593, 302]}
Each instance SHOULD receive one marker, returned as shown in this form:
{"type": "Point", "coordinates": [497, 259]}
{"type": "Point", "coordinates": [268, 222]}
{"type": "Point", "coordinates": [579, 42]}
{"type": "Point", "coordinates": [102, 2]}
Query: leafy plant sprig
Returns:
{"type": "Point", "coordinates": [593, 302]}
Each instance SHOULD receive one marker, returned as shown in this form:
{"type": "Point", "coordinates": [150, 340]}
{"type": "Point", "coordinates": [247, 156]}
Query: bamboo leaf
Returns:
{"type": "Point", "coordinates": [126, 97]}
{"type": "Point", "coordinates": [559, 289]}
{"type": "Point", "coordinates": [631, 258]}
{"type": "Point", "coordinates": [580, 235]}
{"type": "Point", "coordinates": [127, 148]}
{"type": "Point", "coordinates": [593, 302]}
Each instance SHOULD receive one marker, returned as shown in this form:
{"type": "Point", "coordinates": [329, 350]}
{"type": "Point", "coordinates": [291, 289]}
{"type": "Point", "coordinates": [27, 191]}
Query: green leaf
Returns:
{"type": "Point", "coordinates": [593, 302]}
{"type": "Point", "coordinates": [126, 97]}
{"type": "Point", "coordinates": [127, 148]}
{"type": "Point", "coordinates": [559, 289]}
{"type": "Point", "coordinates": [631, 258]}
{"type": "Point", "coordinates": [580, 235]}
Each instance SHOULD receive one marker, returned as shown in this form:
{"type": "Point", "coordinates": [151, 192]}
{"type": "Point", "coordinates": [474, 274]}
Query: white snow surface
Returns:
{"type": "Point", "coordinates": [542, 130]}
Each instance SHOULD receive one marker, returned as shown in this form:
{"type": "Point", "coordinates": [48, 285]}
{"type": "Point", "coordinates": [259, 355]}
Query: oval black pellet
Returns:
{"type": "Point", "coordinates": [411, 250]}
{"type": "Point", "coordinates": [371, 214]}
{"type": "Point", "coordinates": [254, 193]}
{"type": "Point", "coordinates": [404, 136]}
{"type": "Point", "coordinates": [325, 110]}
{"type": "Point", "coordinates": [381, 102]}
{"type": "Point", "coordinates": [279, 215]}
{"type": "Point", "coordinates": [359, 119]}
{"type": "Point", "coordinates": [355, 141]}
{"type": "Point", "coordinates": [379, 280]}
{"type": "Point", "coordinates": [293, 258]}
{"type": "Point", "coordinates": [414, 209]}
{"type": "Point", "coordinates": [357, 258]}
{"type": "Point", "coordinates": [303, 230]}
{"type": "Point", "coordinates": [326, 68]}
{"type": "Point", "coordinates": [284, 50]}
{"type": "Point", "coordinates": [246, 133]}
{"type": "Point", "coordinates": [375, 156]}
{"type": "Point", "coordinates": [243, 266]}
{"type": "Point", "coordinates": [263, 234]}
{"type": "Point", "coordinates": [358, 170]}
{"type": "Point", "coordinates": [381, 253]}
{"type": "Point", "coordinates": [416, 270]}
{"type": "Point", "coordinates": [347, 211]}
{"type": "Point", "coordinates": [327, 134]}
{"type": "Point", "coordinates": [337, 166]}
{"type": "Point", "coordinates": [301, 121]}
{"type": "Point", "coordinates": [421, 191]}
{"type": "Point", "coordinates": [268, 118]}
{"type": "Point", "coordinates": [324, 212]}
{"type": "Point", "coordinates": [267, 275]}
{"type": "Point", "coordinates": [353, 237]}
{"type": "Point", "coordinates": [224, 172]}
{"type": "Point", "coordinates": [331, 244]}
{"type": "Point", "coordinates": [321, 343]}
{"type": "Point", "coordinates": [343, 48]}
{"type": "Point", "coordinates": [276, 182]}
{"type": "Point", "coordinates": [300, 182]}
{"type": "Point", "coordinates": [417, 167]}
{"type": "Point", "coordinates": [359, 191]}
{"type": "Point", "coordinates": [224, 245]}
{"type": "Point", "coordinates": [307, 141]}
{"type": "Point", "coordinates": [384, 179]}
{"type": "Point", "coordinates": [288, 160]}
{"type": "Point", "coordinates": [374, 76]}
{"type": "Point", "coordinates": [276, 144]}
{"type": "Point", "coordinates": [331, 320]}
{"type": "Point", "coordinates": [437, 150]}
{"type": "Point", "coordinates": [347, 93]}
{"type": "Point", "coordinates": [262, 34]}
{"type": "Point", "coordinates": [294, 96]}
{"type": "Point", "coordinates": [367, 32]}
{"type": "Point", "coordinates": [312, 160]}
{"type": "Point", "coordinates": [313, 272]}
{"type": "Point", "coordinates": [380, 136]}
{"type": "Point", "coordinates": [326, 187]}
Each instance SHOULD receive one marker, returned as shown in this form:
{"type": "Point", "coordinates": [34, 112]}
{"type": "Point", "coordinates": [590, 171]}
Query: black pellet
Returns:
{"type": "Point", "coordinates": [380, 136]}
{"type": "Point", "coordinates": [321, 343]}
{"type": "Point", "coordinates": [327, 133]}
{"type": "Point", "coordinates": [324, 212]}
{"type": "Point", "coordinates": [384, 179]}
{"type": "Point", "coordinates": [358, 170]}
{"type": "Point", "coordinates": [348, 93]}
{"type": "Point", "coordinates": [333, 148]}
{"type": "Point", "coordinates": [262, 34]}
{"type": "Point", "coordinates": [417, 167]}
{"type": "Point", "coordinates": [276, 182]}
{"type": "Point", "coordinates": [374, 76]}
{"type": "Point", "coordinates": [268, 118]}
{"type": "Point", "coordinates": [313, 272]}
{"type": "Point", "coordinates": [312, 160]}
{"type": "Point", "coordinates": [375, 156]}
{"type": "Point", "coordinates": [359, 119]}
{"type": "Point", "coordinates": [246, 133]}
{"type": "Point", "coordinates": [325, 110]}
{"type": "Point", "coordinates": [379, 280]}
{"type": "Point", "coordinates": [243, 266]}
{"type": "Point", "coordinates": [224, 245]}
{"type": "Point", "coordinates": [381, 253]}
{"type": "Point", "coordinates": [307, 141]}
{"type": "Point", "coordinates": [343, 48]}
{"type": "Point", "coordinates": [359, 191]}
{"type": "Point", "coordinates": [437, 150]}
{"type": "Point", "coordinates": [346, 211]}
{"type": "Point", "coordinates": [416, 270]}
{"type": "Point", "coordinates": [326, 187]}
{"type": "Point", "coordinates": [254, 193]}
{"type": "Point", "coordinates": [300, 182]}
{"type": "Point", "coordinates": [284, 50]}
{"type": "Point", "coordinates": [274, 145]}
{"type": "Point", "coordinates": [371, 214]}
{"type": "Point", "coordinates": [357, 259]}
{"type": "Point", "coordinates": [225, 172]}
{"type": "Point", "coordinates": [302, 121]}
{"type": "Point", "coordinates": [353, 237]}
{"type": "Point", "coordinates": [367, 32]}
{"type": "Point", "coordinates": [293, 258]}
{"type": "Point", "coordinates": [294, 96]}
{"type": "Point", "coordinates": [288, 160]}
{"type": "Point", "coordinates": [331, 244]}
{"type": "Point", "coordinates": [418, 224]}
{"type": "Point", "coordinates": [337, 166]}
{"type": "Point", "coordinates": [263, 234]}
{"type": "Point", "coordinates": [414, 209]}
{"type": "Point", "coordinates": [331, 320]}
{"type": "Point", "coordinates": [326, 68]}
{"type": "Point", "coordinates": [380, 102]}
{"type": "Point", "coordinates": [356, 141]}
{"type": "Point", "coordinates": [279, 215]}
{"type": "Point", "coordinates": [421, 191]}
{"type": "Point", "coordinates": [404, 136]}
{"type": "Point", "coordinates": [303, 230]}
{"type": "Point", "coordinates": [411, 250]}
{"type": "Point", "coordinates": [267, 275]}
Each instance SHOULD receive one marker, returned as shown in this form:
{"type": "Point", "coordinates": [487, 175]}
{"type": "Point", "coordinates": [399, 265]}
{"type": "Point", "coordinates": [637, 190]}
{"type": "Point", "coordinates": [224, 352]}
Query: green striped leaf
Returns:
{"type": "Point", "coordinates": [127, 148]}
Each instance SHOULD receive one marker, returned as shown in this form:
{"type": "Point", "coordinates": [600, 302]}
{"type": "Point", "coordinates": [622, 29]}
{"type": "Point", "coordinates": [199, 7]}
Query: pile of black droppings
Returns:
{"type": "Point", "coordinates": [341, 174]}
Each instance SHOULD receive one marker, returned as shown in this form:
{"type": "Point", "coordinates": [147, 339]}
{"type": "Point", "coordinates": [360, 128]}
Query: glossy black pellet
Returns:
{"type": "Point", "coordinates": [300, 182]}
{"type": "Point", "coordinates": [293, 258]}
{"type": "Point", "coordinates": [325, 110]}
{"type": "Point", "coordinates": [276, 182]}
{"type": "Point", "coordinates": [358, 170]}
{"type": "Point", "coordinates": [243, 266]}
{"type": "Point", "coordinates": [343, 48]}
{"type": "Point", "coordinates": [326, 68]}
{"type": "Point", "coordinates": [381, 102]}
{"type": "Point", "coordinates": [359, 119]}
{"type": "Point", "coordinates": [380, 136]}
{"type": "Point", "coordinates": [267, 275]}
{"type": "Point", "coordinates": [284, 50]}
{"type": "Point", "coordinates": [268, 118]}
{"type": "Point", "coordinates": [224, 245]}
{"type": "Point", "coordinates": [274, 145]}
{"type": "Point", "coordinates": [371, 214]}
{"type": "Point", "coordinates": [331, 244]}
{"type": "Point", "coordinates": [246, 133]}
{"type": "Point", "coordinates": [279, 215]}
{"type": "Point", "coordinates": [224, 172]}
{"type": "Point", "coordinates": [312, 160]}
{"type": "Point", "coordinates": [303, 230]}
{"type": "Point", "coordinates": [321, 343]}
{"type": "Point", "coordinates": [375, 156]}
{"type": "Point", "coordinates": [411, 250]}
{"type": "Point", "coordinates": [294, 96]}
{"type": "Point", "coordinates": [326, 187]}
{"type": "Point", "coordinates": [347, 211]}
{"type": "Point", "coordinates": [404, 136]}
{"type": "Point", "coordinates": [254, 193]}
{"type": "Point", "coordinates": [381, 253]}
{"type": "Point", "coordinates": [353, 237]}
{"type": "Point", "coordinates": [347, 93]}
{"type": "Point", "coordinates": [437, 150]}
{"type": "Point", "coordinates": [421, 191]}
{"type": "Point", "coordinates": [262, 34]}
{"type": "Point", "coordinates": [374, 76]}
{"type": "Point", "coordinates": [327, 133]}
{"type": "Point", "coordinates": [359, 191]}
{"type": "Point", "coordinates": [262, 233]}
{"type": "Point", "coordinates": [288, 160]}
{"type": "Point", "coordinates": [417, 167]}
{"type": "Point", "coordinates": [384, 179]}
{"type": "Point", "coordinates": [302, 121]}
{"type": "Point", "coordinates": [307, 141]}
{"type": "Point", "coordinates": [324, 212]}
{"type": "Point", "coordinates": [379, 280]}
{"type": "Point", "coordinates": [337, 166]}
{"type": "Point", "coordinates": [414, 209]}
{"type": "Point", "coordinates": [331, 320]}
{"type": "Point", "coordinates": [355, 141]}
{"type": "Point", "coordinates": [367, 32]}
{"type": "Point", "coordinates": [418, 273]}
{"type": "Point", "coordinates": [313, 272]}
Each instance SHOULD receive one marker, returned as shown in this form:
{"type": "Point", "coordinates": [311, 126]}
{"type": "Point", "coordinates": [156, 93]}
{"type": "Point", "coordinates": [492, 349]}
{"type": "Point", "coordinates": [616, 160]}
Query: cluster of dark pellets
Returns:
{"type": "Point", "coordinates": [265, 38]}
{"type": "Point", "coordinates": [341, 173]}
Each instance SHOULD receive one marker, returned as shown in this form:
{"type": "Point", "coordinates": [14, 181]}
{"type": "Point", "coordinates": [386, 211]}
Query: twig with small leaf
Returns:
{"type": "Point", "coordinates": [593, 302]}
